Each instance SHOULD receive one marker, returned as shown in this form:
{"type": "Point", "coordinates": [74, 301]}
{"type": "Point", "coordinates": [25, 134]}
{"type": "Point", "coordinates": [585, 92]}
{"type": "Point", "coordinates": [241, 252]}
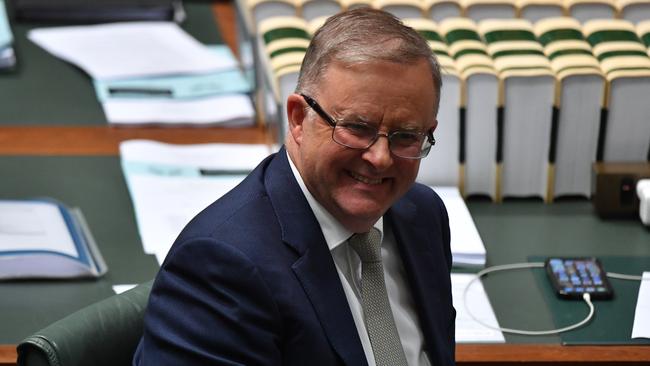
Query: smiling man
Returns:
{"type": "Point", "coordinates": [328, 253]}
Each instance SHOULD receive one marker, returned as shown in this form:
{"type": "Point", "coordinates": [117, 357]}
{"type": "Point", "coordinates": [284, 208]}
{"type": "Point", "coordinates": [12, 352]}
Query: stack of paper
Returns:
{"type": "Point", "coordinates": [472, 304]}
{"type": "Point", "coordinates": [7, 56]}
{"type": "Point", "coordinates": [641, 327]}
{"type": "Point", "coordinates": [170, 184]}
{"type": "Point", "coordinates": [467, 248]}
{"type": "Point", "coordinates": [154, 72]}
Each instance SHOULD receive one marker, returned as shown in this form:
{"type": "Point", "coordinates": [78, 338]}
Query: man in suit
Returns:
{"type": "Point", "coordinates": [271, 273]}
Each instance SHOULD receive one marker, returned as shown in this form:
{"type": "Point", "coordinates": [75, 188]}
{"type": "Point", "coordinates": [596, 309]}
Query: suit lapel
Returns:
{"type": "Point", "coordinates": [425, 270]}
{"type": "Point", "coordinates": [315, 267]}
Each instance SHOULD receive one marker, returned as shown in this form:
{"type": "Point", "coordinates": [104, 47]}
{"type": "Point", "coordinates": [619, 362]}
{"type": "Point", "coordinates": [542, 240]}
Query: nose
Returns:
{"type": "Point", "coordinates": [378, 154]}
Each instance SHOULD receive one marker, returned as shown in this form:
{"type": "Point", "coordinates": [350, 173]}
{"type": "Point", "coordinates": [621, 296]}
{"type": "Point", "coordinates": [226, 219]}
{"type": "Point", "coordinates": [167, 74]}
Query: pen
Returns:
{"type": "Point", "coordinates": [224, 172]}
{"type": "Point", "coordinates": [145, 91]}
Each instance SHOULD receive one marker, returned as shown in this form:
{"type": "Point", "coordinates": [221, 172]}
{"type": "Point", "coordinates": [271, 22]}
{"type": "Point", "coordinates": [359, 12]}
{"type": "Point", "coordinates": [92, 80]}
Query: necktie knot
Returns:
{"type": "Point", "coordinates": [367, 245]}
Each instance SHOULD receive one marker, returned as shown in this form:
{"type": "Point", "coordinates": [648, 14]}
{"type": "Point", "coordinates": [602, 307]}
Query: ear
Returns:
{"type": "Point", "coordinates": [435, 125]}
{"type": "Point", "coordinates": [296, 115]}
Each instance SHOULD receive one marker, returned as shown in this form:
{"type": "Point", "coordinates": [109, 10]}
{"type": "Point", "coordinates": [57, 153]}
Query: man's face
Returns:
{"type": "Point", "coordinates": [358, 186]}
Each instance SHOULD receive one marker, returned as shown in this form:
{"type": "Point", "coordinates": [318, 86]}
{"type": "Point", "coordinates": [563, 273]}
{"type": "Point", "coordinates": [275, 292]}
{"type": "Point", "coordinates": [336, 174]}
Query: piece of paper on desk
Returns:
{"type": "Point", "coordinates": [214, 98]}
{"type": "Point", "coordinates": [227, 81]}
{"type": "Point", "coordinates": [7, 55]}
{"type": "Point", "coordinates": [6, 37]}
{"type": "Point", "coordinates": [227, 110]}
{"type": "Point", "coordinates": [467, 247]}
{"type": "Point", "coordinates": [170, 184]}
{"type": "Point", "coordinates": [185, 86]}
{"type": "Point", "coordinates": [31, 226]}
{"type": "Point", "coordinates": [469, 330]}
{"type": "Point", "coordinates": [164, 205]}
{"type": "Point", "coordinates": [224, 157]}
{"type": "Point", "coordinates": [118, 289]}
{"type": "Point", "coordinates": [130, 49]}
{"type": "Point", "coordinates": [641, 327]}
{"type": "Point", "coordinates": [46, 239]}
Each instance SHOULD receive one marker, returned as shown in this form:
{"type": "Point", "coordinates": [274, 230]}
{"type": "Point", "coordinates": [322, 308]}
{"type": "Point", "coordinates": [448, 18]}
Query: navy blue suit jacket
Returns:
{"type": "Point", "coordinates": [250, 281]}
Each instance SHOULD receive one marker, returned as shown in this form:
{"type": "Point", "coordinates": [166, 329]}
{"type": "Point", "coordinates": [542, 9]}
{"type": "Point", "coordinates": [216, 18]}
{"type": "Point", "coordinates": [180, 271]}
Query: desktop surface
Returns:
{"type": "Point", "coordinates": [96, 186]}
{"type": "Point", "coordinates": [528, 230]}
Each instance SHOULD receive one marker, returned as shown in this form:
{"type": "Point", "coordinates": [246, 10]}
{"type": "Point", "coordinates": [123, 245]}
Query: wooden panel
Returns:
{"type": "Point", "coordinates": [104, 140]}
{"type": "Point", "coordinates": [539, 354]}
{"type": "Point", "coordinates": [509, 354]}
{"type": "Point", "coordinates": [7, 355]}
{"type": "Point", "coordinates": [224, 12]}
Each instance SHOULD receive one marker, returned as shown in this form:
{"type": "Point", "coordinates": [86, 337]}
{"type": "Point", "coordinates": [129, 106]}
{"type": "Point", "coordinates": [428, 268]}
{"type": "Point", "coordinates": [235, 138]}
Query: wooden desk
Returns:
{"type": "Point", "coordinates": [508, 354]}
{"type": "Point", "coordinates": [104, 140]}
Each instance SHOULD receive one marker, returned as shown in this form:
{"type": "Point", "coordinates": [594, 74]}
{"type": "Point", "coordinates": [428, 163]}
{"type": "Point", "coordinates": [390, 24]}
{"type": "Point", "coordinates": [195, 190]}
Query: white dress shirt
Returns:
{"type": "Point", "coordinates": [348, 266]}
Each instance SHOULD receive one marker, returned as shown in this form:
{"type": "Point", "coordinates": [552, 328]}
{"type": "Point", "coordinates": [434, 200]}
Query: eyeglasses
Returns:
{"type": "Point", "coordinates": [360, 135]}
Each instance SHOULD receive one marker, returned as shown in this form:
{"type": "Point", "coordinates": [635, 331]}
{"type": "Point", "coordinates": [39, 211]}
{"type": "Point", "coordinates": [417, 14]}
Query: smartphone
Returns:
{"type": "Point", "coordinates": [573, 277]}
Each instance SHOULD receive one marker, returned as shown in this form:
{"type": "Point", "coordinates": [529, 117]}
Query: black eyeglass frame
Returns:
{"type": "Point", "coordinates": [313, 104]}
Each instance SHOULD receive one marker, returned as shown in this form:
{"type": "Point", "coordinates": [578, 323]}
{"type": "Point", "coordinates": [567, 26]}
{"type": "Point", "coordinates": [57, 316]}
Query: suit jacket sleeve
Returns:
{"type": "Point", "coordinates": [210, 306]}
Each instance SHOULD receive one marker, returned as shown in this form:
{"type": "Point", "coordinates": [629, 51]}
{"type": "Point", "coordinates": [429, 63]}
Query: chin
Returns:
{"type": "Point", "coordinates": [363, 211]}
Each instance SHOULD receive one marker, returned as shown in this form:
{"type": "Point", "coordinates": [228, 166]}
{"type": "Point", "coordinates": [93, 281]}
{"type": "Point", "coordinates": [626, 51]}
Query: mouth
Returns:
{"type": "Point", "coordinates": [364, 179]}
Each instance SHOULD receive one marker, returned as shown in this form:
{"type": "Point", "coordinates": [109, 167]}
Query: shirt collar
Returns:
{"type": "Point", "coordinates": [334, 232]}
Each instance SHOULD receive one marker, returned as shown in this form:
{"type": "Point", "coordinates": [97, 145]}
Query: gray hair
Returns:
{"type": "Point", "coordinates": [360, 36]}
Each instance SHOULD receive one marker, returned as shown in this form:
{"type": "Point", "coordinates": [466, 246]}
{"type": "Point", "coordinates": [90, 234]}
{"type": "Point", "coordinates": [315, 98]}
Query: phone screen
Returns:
{"type": "Point", "coordinates": [573, 277]}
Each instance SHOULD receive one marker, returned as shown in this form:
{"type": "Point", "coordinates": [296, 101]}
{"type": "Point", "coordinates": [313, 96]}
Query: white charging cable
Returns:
{"type": "Point", "coordinates": [506, 267]}
{"type": "Point", "coordinates": [620, 276]}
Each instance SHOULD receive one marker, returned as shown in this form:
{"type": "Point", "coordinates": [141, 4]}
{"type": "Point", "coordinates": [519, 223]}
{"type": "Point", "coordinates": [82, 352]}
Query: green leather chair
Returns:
{"type": "Point", "coordinates": [104, 333]}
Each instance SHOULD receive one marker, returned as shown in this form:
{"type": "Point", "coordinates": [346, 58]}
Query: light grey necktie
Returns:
{"type": "Point", "coordinates": [380, 324]}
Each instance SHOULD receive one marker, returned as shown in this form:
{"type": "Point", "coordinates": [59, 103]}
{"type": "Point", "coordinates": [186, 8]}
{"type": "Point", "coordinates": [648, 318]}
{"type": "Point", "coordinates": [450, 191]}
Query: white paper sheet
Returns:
{"type": "Point", "coordinates": [34, 226]}
{"type": "Point", "coordinates": [118, 289]}
{"type": "Point", "coordinates": [164, 205]}
{"type": "Point", "coordinates": [6, 37]}
{"type": "Point", "coordinates": [130, 49]}
{"type": "Point", "coordinates": [170, 184]}
{"type": "Point", "coordinates": [210, 156]}
{"type": "Point", "coordinates": [231, 110]}
{"type": "Point", "coordinates": [641, 327]}
{"type": "Point", "coordinates": [7, 55]}
{"type": "Point", "coordinates": [467, 247]}
{"type": "Point", "coordinates": [469, 330]}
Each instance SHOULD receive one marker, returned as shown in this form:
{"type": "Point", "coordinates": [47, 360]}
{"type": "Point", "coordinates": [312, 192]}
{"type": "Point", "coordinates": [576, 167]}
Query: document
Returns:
{"type": "Point", "coordinates": [641, 327]}
{"type": "Point", "coordinates": [118, 289]}
{"type": "Point", "coordinates": [7, 55]}
{"type": "Point", "coordinates": [154, 73]}
{"type": "Point", "coordinates": [170, 184]}
{"type": "Point", "coordinates": [467, 248]}
{"type": "Point", "coordinates": [6, 37]}
{"type": "Point", "coordinates": [227, 81]}
{"type": "Point", "coordinates": [175, 86]}
{"type": "Point", "coordinates": [226, 110]}
{"type": "Point", "coordinates": [27, 226]}
{"type": "Point", "coordinates": [214, 98]}
{"type": "Point", "coordinates": [129, 49]}
{"type": "Point", "coordinates": [45, 239]}
{"type": "Point", "coordinates": [468, 330]}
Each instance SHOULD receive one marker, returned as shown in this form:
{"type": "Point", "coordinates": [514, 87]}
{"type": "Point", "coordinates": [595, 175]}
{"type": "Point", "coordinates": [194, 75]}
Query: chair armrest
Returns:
{"type": "Point", "coordinates": [104, 333]}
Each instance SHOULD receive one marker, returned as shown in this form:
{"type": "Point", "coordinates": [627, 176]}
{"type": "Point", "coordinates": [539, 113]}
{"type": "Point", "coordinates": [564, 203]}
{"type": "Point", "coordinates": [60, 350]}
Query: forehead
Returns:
{"type": "Point", "coordinates": [383, 91]}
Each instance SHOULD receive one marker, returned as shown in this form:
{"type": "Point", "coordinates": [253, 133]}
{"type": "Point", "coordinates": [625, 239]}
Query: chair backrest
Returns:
{"type": "Point", "coordinates": [104, 333]}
